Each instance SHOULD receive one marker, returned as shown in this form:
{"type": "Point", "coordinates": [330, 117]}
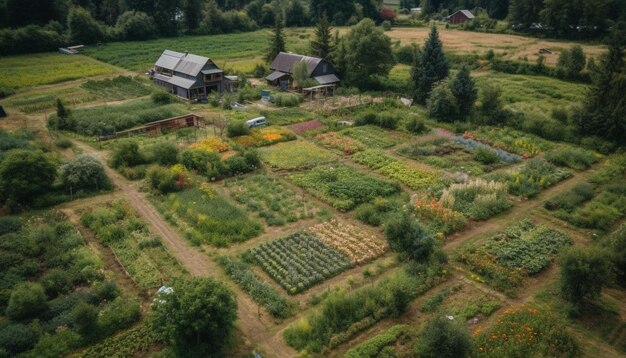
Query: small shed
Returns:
{"type": "Point", "coordinates": [460, 17]}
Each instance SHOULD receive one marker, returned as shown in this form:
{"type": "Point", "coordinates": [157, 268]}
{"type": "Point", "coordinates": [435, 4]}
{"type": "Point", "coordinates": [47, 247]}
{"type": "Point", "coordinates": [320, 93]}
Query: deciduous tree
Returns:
{"type": "Point", "coordinates": [584, 272]}
{"type": "Point", "coordinates": [197, 317]}
{"type": "Point", "coordinates": [442, 338]}
{"type": "Point", "coordinates": [24, 175]}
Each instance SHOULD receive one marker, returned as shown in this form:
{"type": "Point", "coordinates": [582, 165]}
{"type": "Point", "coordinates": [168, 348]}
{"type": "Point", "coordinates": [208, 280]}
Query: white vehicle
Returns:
{"type": "Point", "coordinates": [257, 122]}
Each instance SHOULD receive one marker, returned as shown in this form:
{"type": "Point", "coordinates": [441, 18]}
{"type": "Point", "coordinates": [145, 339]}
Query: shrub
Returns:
{"type": "Point", "coordinates": [373, 347]}
{"type": "Point", "coordinates": [17, 338]}
{"type": "Point", "coordinates": [84, 318]}
{"type": "Point", "coordinates": [56, 282]}
{"type": "Point", "coordinates": [574, 158]}
{"type": "Point", "coordinates": [287, 100]}
{"type": "Point", "coordinates": [442, 104]}
{"type": "Point", "coordinates": [162, 179]}
{"type": "Point", "coordinates": [486, 155]}
{"type": "Point", "coordinates": [63, 143]}
{"type": "Point", "coordinates": [9, 224]}
{"type": "Point", "coordinates": [83, 172]}
{"type": "Point", "coordinates": [161, 98]}
{"type": "Point", "coordinates": [118, 315]}
{"type": "Point", "coordinates": [165, 153]}
{"type": "Point", "coordinates": [237, 128]}
{"type": "Point", "coordinates": [584, 271]}
{"type": "Point", "coordinates": [442, 338]}
{"type": "Point", "coordinates": [126, 154]}
{"type": "Point", "coordinates": [388, 120]}
{"type": "Point", "coordinates": [416, 126]}
{"type": "Point", "coordinates": [27, 300]}
{"type": "Point", "coordinates": [407, 237]}
{"type": "Point", "coordinates": [368, 117]}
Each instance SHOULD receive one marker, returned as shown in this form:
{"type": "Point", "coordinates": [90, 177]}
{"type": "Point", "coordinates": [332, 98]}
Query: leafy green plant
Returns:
{"type": "Point", "coordinates": [574, 158]}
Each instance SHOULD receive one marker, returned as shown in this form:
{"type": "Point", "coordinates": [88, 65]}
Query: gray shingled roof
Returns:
{"type": "Point", "coordinates": [285, 62]}
{"type": "Point", "coordinates": [275, 75]}
{"type": "Point", "coordinates": [180, 62]}
{"type": "Point", "coordinates": [327, 79]}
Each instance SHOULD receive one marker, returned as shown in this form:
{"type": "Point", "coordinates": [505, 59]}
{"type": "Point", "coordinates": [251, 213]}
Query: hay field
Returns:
{"type": "Point", "coordinates": [513, 46]}
{"type": "Point", "coordinates": [47, 68]}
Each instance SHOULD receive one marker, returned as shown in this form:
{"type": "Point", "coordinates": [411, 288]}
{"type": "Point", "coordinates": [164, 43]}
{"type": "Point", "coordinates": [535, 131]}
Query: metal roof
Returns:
{"type": "Point", "coordinates": [186, 63]}
{"type": "Point", "coordinates": [326, 79]}
{"type": "Point", "coordinates": [181, 82]}
{"type": "Point", "coordinates": [211, 71]}
{"type": "Point", "coordinates": [285, 62]}
{"type": "Point", "coordinates": [275, 75]}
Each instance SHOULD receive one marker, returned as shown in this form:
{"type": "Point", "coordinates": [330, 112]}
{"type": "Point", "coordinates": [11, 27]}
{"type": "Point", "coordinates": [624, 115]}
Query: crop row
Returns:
{"type": "Point", "coordinates": [356, 244]}
{"type": "Point", "coordinates": [299, 261]}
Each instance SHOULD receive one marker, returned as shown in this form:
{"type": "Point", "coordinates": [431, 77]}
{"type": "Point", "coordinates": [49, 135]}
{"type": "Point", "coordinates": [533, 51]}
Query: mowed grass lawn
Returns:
{"type": "Point", "coordinates": [47, 68]}
{"type": "Point", "coordinates": [238, 51]}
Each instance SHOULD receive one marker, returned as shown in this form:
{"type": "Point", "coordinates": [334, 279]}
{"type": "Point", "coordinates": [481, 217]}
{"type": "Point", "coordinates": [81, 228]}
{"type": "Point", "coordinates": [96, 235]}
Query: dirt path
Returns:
{"type": "Point", "coordinates": [254, 323]}
{"type": "Point", "coordinates": [519, 211]}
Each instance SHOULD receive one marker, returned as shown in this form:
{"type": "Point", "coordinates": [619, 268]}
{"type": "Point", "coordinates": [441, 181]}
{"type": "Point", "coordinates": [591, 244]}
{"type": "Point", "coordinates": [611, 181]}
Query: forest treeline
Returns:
{"type": "Point", "coordinates": [43, 25]}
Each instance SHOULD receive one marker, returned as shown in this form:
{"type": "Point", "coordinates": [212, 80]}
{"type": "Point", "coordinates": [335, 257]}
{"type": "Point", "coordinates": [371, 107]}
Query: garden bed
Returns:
{"type": "Point", "coordinates": [343, 187]}
{"type": "Point", "coordinates": [264, 137]}
{"type": "Point", "coordinates": [299, 261]}
{"type": "Point", "coordinates": [376, 137]}
{"type": "Point", "coordinates": [271, 199]}
{"type": "Point", "coordinates": [296, 155]}
{"type": "Point", "coordinates": [413, 177]}
{"type": "Point", "coordinates": [507, 258]}
{"type": "Point", "coordinates": [532, 178]}
{"type": "Point", "coordinates": [209, 218]}
{"type": "Point", "coordinates": [356, 244]}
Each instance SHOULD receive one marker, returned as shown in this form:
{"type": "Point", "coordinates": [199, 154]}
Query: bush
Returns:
{"type": "Point", "coordinates": [373, 347]}
{"type": "Point", "coordinates": [442, 104]}
{"type": "Point", "coordinates": [16, 338]}
{"type": "Point", "coordinates": [486, 155]}
{"type": "Point", "coordinates": [56, 282]}
{"type": "Point", "coordinates": [161, 98]}
{"type": "Point", "coordinates": [388, 120]}
{"type": "Point", "coordinates": [9, 224]}
{"type": "Point", "coordinates": [27, 300]}
{"type": "Point", "coordinates": [63, 143]}
{"type": "Point", "coordinates": [29, 39]}
{"type": "Point", "coordinates": [442, 338]}
{"type": "Point", "coordinates": [83, 172]}
{"type": "Point", "coordinates": [386, 25]}
{"type": "Point", "coordinates": [126, 154]}
{"type": "Point", "coordinates": [237, 129]}
{"type": "Point", "coordinates": [287, 100]}
{"type": "Point", "coordinates": [135, 25]}
{"type": "Point", "coordinates": [407, 237]}
{"type": "Point", "coordinates": [118, 315]}
{"type": "Point", "coordinates": [416, 126]}
{"type": "Point", "coordinates": [162, 179]}
{"type": "Point", "coordinates": [164, 153]}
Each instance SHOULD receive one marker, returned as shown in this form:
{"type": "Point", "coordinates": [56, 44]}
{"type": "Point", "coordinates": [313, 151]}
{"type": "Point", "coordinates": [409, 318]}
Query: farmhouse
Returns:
{"type": "Point", "coordinates": [460, 17]}
{"type": "Point", "coordinates": [188, 76]}
{"type": "Point", "coordinates": [283, 65]}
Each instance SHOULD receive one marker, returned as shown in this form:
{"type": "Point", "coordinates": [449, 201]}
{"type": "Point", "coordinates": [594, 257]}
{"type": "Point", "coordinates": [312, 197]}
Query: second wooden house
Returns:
{"type": "Point", "coordinates": [283, 66]}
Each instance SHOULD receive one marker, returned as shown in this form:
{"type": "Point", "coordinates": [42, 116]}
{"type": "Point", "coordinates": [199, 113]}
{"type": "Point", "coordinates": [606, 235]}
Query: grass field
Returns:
{"type": "Point", "coordinates": [47, 68]}
{"type": "Point", "coordinates": [512, 47]}
{"type": "Point", "coordinates": [73, 94]}
{"type": "Point", "coordinates": [237, 52]}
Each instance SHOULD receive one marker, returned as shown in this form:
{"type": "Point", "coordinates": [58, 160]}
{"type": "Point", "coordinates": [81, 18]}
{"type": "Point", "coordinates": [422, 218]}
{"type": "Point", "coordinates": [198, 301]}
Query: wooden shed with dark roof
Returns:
{"type": "Point", "coordinates": [283, 66]}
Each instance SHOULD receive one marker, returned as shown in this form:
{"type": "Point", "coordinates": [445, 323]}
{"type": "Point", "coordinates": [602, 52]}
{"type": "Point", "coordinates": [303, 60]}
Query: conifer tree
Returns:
{"type": "Point", "coordinates": [464, 90]}
{"type": "Point", "coordinates": [604, 111]}
{"type": "Point", "coordinates": [430, 68]}
{"type": "Point", "coordinates": [278, 39]}
{"type": "Point", "coordinates": [322, 45]}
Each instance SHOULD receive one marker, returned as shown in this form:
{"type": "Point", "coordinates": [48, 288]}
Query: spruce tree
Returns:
{"type": "Point", "coordinates": [278, 39]}
{"type": "Point", "coordinates": [604, 111]}
{"type": "Point", "coordinates": [430, 68]}
{"type": "Point", "coordinates": [322, 45]}
{"type": "Point", "coordinates": [464, 90]}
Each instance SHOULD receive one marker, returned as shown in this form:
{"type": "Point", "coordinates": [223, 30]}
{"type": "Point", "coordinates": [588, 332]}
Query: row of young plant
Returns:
{"type": "Point", "coordinates": [299, 261]}
{"type": "Point", "coordinates": [597, 204]}
{"type": "Point", "coordinates": [522, 250]}
{"type": "Point", "coordinates": [141, 254]}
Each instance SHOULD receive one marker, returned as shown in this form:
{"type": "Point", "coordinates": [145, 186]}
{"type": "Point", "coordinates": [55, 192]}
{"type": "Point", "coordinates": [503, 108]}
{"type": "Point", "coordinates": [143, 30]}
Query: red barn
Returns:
{"type": "Point", "coordinates": [460, 17]}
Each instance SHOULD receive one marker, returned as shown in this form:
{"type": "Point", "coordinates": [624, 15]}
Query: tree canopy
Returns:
{"type": "Point", "coordinates": [322, 45]}
{"type": "Point", "coordinates": [197, 317]}
{"type": "Point", "coordinates": [584, 272]}
{"type": "Point", "coordinates": [83, 172]}
{"type": "Point", "coordinates": [442, 338]}
{"type": "Point", "coordinates": [24, 175]}
{"type": "Point", "coordinates": [277, 41]}
{"type": "Point", "coordinates": [366, 54]}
